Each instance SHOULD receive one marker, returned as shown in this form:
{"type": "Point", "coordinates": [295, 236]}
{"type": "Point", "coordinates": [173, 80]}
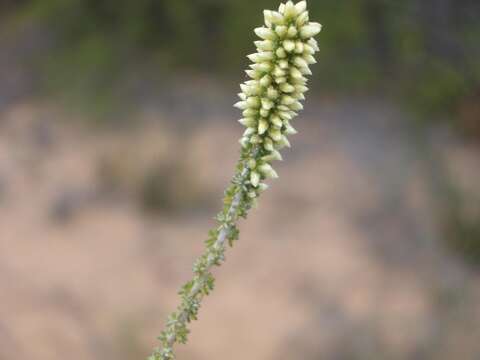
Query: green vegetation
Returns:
{"type": "Point", "coordinates": [424, 51]}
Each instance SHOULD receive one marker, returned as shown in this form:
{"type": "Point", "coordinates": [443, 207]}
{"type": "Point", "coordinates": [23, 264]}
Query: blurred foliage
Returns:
{"type": "Point", "coordinates": [165, 186]}
{"type": "Point", "coordinates": [426, 51]}
{"type": "Point", "coordinates": [456, 207]}
{"type": "Point", "coordinates": [463, 236]}
{"type": "Point", "coordinates": [462, 227]}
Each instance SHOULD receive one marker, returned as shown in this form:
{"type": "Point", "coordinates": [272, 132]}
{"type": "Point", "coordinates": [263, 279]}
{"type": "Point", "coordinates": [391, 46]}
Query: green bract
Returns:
{"type": "Point", "coordinates": [270, 99]}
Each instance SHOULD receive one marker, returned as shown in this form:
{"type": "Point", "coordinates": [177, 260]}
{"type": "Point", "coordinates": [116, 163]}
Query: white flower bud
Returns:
{"type": "Point", "coordinates": [281, 30]}
{"type": "Point", "coordinates": [266, 16]}
{"type": "Point", "coordinates": [295, 73]}
{"type": "Point", "coordinates": [309, 59]}
{"type": "Point", "coordinates": [273, 156]}
{"type": "Point", "coordinates": [290, 130]}
{"type": "Point", "coordinates": [262, 67]}
{"type": "Point", "coordinates": [265, 55]}
{"type": "Point", "coordinates": [253, 74]}
{"type": "Point", "coordinates": [283, 108]}
{"type": "Point", "coordinates": [300, 62]}
{"type": "Point", "coordinates": [253, 102]}
{"type": "Point", "coordinates": [283, 142]}
{"type": "Point", "coordinates": [292, 31]}
{"type": "Point", "coordinates": [251, 164]}
{"type": "Point", "coordinates": [264, 112]}
{"type": "Point", "coordinates": [253, 57]}
{"type": "Point", "coordinates": [268, 171]}
{"type": "Point", "coordinates": [288, 45]}
{"type": "Point", "coordinates": [265, 81]}
{"type": "Point", "coordinates": [281, 8]}
{"type": "Point", "coordinates": [249, 132]}
{"type": "Point", "coordinates": [299, 47]}
{"type": "Point", "coordinates": [310, 30]}
{"type": "Point", "coordinates": [283, 64]}
{"type": "Point", "coordinates": [281, 80]}
{"type": "Point", "coordinates": [305, 70]}
{"type": "Point", "coordinates": [272, 93]}
{"type": "Point", "coordinates": [262, 187]}
{"type": "Point", "coordinates": [242, 96]}
{"type": "Point", "coordinates": [253, 87]}
{"type": "Point", "coordinates": [296, 106]}
{"type": "Point", "coordinates": [301, 88]}
{"type": "Point", "coordinates": [254, 178]}
{"type": "Point", "coordinates": [281, 53]}
{"type": "Point", "coordinates": [268, 144]}
{"type": "Point", "coordinates": [247, 122]}
{"type": "Point", "coordinates": [265, 33]}
{"type": "Point", "coordinates": [298, 80]}
{"type": "Point", "coordinates": [287, 100]}
{"type": "Point", "coordinates": [301, 7]}
{"type": "Point", "coordinates": [307, 49]}
{"type": "Point", "coordinates": [278, 72]}
{"type": "Point", "coordinates": [249, 112]}
{"type": "Point", "coordinates": [273, 17]}
{"type": "Point", "coordinates": [287, 88]}
{"type": "Point", "coordinates": [277, 122]}
{"type": "Point", "coordinates": [298, 96]}
{"type": "Point", "coordinates": [302, 19]}
{"type": "Point", "coordinates": [244, 141]}
{"type": "Point", "coordinates": [313, 43]}
{"type": "Point", "coordinates": [242, 105]}
{"type": "Point", "coordinates": [255, 139]}
{"type": "Point", "coordinates": [290, 11]}
{"type": "Point", "coordinates": [262, 126]}
{"type": "Point", "coordinates": [265, 45]}
{"type": "Point", "coordinates": [275, 134]}
{"type": "Point", "coordinates": [267, 104]}
{"type": "Point", "coordinates": [285, 115]}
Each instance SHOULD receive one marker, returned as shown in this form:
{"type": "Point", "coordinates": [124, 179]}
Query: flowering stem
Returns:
{"type": "Point", "coordinates": [269, 101]}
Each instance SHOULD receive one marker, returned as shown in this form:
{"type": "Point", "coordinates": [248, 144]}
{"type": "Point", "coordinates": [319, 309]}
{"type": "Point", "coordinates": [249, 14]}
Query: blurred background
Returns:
{"type": "Point", "coordinates": [118, 136]}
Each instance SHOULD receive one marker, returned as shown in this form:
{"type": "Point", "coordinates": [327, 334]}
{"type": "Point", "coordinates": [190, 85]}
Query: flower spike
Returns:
{"type": "Point", "coordinates": [269, 100]}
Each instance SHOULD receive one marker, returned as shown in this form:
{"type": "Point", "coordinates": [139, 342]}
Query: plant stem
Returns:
{"type": "Point", "coordinates": [269, 101]}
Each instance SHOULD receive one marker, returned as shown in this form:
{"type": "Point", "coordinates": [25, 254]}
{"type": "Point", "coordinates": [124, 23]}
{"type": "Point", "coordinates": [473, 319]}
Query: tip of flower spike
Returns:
{"type": "Point", "coordinates": [290, 10]}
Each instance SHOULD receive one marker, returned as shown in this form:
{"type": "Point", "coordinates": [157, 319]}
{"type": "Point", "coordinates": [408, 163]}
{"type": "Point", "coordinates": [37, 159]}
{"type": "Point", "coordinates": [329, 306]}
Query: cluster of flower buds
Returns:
{"type": "Point", "coordinates": [272, 96]}
{"type": "Point", "coordinates": [270, 99]}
